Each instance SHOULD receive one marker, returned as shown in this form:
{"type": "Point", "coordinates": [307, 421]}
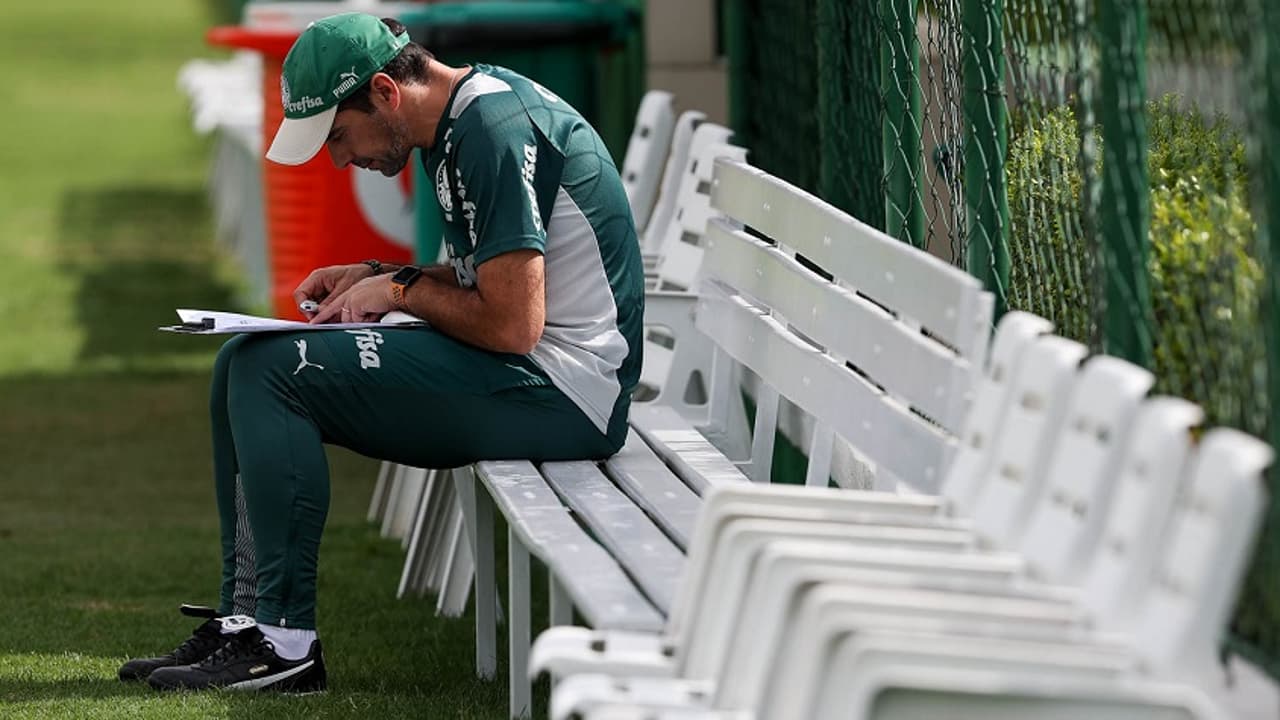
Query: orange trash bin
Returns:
{"type": "Point", "coordinates": [316, 214]}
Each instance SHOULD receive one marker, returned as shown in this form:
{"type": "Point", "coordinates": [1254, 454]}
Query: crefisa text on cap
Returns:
{"type": "Point", "coordinates": [303, 104]}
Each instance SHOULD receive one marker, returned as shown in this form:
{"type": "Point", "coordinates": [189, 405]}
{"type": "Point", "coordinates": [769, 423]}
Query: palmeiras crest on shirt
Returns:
{"type": "Point", "coordinates": [442, 189]}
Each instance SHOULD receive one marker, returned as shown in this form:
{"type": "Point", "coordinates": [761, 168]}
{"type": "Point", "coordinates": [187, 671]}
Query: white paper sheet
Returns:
{"type": "Point", "coordinates": [228, 322]}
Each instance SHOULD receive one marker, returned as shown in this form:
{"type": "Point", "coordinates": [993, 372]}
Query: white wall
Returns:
{"type": "Point", "coordinates": [680, 49]}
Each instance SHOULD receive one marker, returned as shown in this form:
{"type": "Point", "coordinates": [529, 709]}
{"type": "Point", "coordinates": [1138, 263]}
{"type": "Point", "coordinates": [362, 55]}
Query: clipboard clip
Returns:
{"type": "Point", "coordinates": [200, 326]}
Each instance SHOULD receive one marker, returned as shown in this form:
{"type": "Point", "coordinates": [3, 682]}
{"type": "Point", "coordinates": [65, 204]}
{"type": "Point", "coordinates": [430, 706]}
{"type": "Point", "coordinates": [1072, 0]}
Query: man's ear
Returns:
{"type": "Point", "coordinates": [384, 91]}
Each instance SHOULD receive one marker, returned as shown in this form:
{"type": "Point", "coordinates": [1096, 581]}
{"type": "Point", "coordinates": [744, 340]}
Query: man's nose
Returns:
{"type": "Point", "coordinates": [340, 157]}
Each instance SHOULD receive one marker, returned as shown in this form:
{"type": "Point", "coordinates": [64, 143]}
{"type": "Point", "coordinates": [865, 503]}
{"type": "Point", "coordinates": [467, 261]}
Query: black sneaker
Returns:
{"type": "Point", "coordinates": [247, 661]}
{"type": "Point", "coordinates": [203, 641]}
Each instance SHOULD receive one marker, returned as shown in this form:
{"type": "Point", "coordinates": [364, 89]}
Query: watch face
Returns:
{"type": "Point", "coordinates": [406, 275]}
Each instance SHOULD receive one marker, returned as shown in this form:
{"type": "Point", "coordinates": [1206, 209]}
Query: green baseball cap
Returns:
{"type": "Point", "coordinates": [329, 61]}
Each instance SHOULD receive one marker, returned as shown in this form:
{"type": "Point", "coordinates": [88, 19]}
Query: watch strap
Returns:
{"type": "Point", "coordinates": [404, 277]}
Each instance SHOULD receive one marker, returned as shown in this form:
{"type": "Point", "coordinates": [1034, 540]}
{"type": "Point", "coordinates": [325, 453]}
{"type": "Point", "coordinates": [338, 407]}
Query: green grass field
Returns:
{"type": "Point", "coordinates": [106, 501]}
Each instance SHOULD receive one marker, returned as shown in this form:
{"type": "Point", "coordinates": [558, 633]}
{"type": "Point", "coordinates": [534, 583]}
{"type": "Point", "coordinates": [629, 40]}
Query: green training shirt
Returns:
{"type": "Point", "coordinates": [515, 167]}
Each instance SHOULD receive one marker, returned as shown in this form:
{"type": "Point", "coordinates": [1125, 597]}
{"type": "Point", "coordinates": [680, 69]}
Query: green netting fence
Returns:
{"type": "Point", "coordinates": [1104, 163]}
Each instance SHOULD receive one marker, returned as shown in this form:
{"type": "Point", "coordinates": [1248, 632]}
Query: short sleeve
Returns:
{"type": "Point", "coordinates": [495, 166]}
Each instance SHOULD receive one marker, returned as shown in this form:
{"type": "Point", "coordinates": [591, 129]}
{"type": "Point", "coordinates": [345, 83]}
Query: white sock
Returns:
{"type": "Point", "coordinates": [290, 643]}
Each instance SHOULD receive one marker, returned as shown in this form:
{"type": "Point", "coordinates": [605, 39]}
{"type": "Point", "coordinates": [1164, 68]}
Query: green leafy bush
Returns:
{"type": "Point", "coordinates": [1205, 287]}
{"type": "Point", "coordinates": [1050, 257]}
{"type": "Point", "coordinates": [1205, 277]}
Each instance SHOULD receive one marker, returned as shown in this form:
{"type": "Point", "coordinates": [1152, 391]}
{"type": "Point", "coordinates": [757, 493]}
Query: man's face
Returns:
{"type": "Point", "coordinates": [373, 141]}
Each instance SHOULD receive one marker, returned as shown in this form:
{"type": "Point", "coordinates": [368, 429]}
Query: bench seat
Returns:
{"type": "Point", "coordinates": [600, 589]}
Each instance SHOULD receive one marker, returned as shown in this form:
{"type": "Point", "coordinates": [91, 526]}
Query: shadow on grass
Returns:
{"type": "Point", "coordinates": [33, 691]}
{"type": "Point", "coordinates": [139, 252]}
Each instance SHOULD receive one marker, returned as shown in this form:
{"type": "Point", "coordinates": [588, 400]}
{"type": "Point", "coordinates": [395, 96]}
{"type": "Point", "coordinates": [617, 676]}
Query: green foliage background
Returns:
{"type": "Point", "coordinates": [1205, 275]}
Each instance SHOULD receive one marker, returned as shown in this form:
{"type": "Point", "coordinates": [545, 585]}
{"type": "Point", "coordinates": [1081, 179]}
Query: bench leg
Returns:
{"type": "Point", "coordinates": [762, 437]}
{"type": "Point", "coordinates": [393, 497]}
{"type": "Point", "coordinates": [726, 412]}
{"type": "Point", "coordinates": [518, 585]}
{"type": "Point", "coordinates": [477, 508]}
{"type": "Point", "coordinates": [445, 515]}
{"type": "Point", "coordinates": [418, 547]}
{"type": "Point", "coordinates": [818, 471]}
{"type": "Point", "coordinates": [412, 489]}
{"type": "Point", "coordinates": [561, 604]}
{"type": "Point", "coordinates": [457, 583]}
{"type": "Point", "coordinates": [378, 503]}
{"type": "Point", "coordinates": [441, 508]}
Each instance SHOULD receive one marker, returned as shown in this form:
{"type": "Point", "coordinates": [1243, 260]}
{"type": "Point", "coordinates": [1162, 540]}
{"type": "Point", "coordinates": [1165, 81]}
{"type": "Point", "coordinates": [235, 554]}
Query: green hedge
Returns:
{"type": "Point", "coordinates": [1205, 275]}
{"type": "Point", "coordinates": [1050, 256]}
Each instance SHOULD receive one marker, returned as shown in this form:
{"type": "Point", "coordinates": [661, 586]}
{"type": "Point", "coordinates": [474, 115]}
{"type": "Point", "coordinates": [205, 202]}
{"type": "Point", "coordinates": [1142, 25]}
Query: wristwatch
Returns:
{"type": "Point", "coordinates": [403, 278]}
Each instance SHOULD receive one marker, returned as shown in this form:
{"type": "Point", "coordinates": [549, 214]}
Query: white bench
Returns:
{"type": "Point", "coordinates": [614, 534]}
{"type": "Point", "coordinates": [647, 150]}
{"type": "Point", "coordinates": [1048, 492]}
{"type": "Point", "coordinates": [651, 237]}
{"type": "Point", "coordinates": [818, 627]}
{"type": "Point", "coordinates": [1051, 551]}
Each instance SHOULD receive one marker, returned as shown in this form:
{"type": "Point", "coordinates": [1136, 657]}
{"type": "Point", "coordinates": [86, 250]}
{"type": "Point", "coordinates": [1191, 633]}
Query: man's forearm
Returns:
{"type": "Point", "coordinates": [441, 273]}
{"type": "Point", "coordinates": [460, 313]}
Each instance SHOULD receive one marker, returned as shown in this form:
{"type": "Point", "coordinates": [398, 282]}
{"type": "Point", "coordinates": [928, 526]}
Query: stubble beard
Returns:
{"type": "Point", "coordinates": [399, 146]}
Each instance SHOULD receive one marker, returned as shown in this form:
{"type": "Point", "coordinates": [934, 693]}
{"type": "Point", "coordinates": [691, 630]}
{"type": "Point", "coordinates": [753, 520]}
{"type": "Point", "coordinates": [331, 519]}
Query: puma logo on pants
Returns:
{"type": "Point", "coordinates": [302, 354]}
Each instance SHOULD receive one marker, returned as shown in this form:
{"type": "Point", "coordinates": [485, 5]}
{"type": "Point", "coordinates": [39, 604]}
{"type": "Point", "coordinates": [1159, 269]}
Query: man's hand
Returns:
{"type": "Point", "coordinates": [366, 301]}
{"type": "Point", "coordinates": [326, 284]}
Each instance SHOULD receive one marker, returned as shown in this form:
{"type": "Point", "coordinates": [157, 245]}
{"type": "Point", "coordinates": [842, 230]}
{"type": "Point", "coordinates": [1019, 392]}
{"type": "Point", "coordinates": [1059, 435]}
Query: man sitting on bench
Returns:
{"type": "Point", "coordinates": [532, 352]}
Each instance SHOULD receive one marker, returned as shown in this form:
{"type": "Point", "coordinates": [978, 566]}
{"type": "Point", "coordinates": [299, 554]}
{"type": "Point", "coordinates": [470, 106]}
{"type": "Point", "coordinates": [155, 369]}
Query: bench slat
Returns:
{"type": "Point", "coordinates": [904, 444]}
{"type": "Point", "coordinates": [942, 298]}
{"type": "Point", "coordinates": [908, 364]}
{"type": "Point", "coordinates": [675, 439]}
{"type": "Point", "coordinates": [652, 560]}
{"type": "Point", "coordinates": [601, 591]}
{"type": "Point", "coordinates": [650, 484]}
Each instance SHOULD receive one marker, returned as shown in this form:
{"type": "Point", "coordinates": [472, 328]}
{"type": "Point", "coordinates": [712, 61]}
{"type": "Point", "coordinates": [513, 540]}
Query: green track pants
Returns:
{"type": "Point", "coordinates": [409, 395]}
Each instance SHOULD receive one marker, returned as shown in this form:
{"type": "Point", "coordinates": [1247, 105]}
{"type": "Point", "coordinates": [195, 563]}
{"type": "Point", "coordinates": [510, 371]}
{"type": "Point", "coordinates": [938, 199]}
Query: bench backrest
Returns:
{"type": "Point", "coordinates": [1020, 456]}
{"type": "Point", "coordinates": [680, 261]}
{"type": "Point", "coordinates": [681, 252]}
{"type": "Point", "coordinates": [673, 172]}
{"type": "Point", "coordinates": [969, 469]}
{"type": "Point", "coordinates": [884, 348]}
{"type": "Point", "coordinates": [1215, 521]}
{"type": "Point", "coordinates": [647, 153]}
{"type": "Point", "coordinates": [1067, 517]}
{"type": "Point", "coordinates": [1150, 476]}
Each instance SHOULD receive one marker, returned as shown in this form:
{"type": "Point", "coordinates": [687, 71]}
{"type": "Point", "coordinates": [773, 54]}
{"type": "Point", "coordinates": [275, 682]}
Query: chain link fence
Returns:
{"type": "Point", "coordinates": [1052, 171]}
{"type": "Point", "coordinates": [782, 98]}
{"type": "Point", "coordinates": [1098, 162]}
